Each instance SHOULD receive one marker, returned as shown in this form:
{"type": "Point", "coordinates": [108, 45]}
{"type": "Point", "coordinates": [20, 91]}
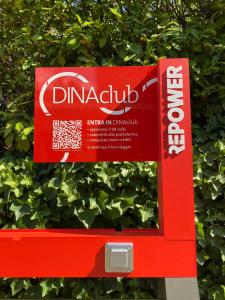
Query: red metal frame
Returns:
{"type": "Point", "coordinates": [167, 252]}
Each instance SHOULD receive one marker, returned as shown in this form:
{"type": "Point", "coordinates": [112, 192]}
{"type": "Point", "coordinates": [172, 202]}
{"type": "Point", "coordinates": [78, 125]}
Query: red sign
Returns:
{"type": "Point", "coordinates": [96, 114]}
{"type": "Point", "coordinates": [78, 111]}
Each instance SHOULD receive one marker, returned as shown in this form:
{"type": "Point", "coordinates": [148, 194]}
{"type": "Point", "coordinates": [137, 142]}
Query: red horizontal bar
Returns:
{"type": "Point", "coordinates": [21, 233]}
{"type": "Point", "coordinates": [81, 253]}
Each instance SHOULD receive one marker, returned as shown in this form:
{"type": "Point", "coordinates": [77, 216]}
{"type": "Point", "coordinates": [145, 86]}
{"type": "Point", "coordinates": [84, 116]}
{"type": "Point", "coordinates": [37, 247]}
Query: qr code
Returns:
{"type": "Point", "coordinates": [67, 135]}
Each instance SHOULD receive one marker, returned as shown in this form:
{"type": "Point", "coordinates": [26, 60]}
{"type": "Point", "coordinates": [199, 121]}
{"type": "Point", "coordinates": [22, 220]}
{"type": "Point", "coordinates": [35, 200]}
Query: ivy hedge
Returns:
{"type": "Point", "coordinates": [120, 195]}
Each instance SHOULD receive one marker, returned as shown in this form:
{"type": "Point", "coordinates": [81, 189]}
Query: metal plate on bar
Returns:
{"type": "Point", "coordinates": [119, 257]}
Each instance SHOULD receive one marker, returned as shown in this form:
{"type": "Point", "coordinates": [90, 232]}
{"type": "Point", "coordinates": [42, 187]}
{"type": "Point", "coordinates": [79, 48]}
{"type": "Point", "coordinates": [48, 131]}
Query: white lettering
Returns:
{"type": "Point", "coordinates": [174, 83]}
{"type": "Point", "coordinates": [74, 92]}
{"type": "Point", "coordinates": [56, 101]}
{"type": "Point", "coordinates": [174, 128]}
{"type": "Point", "coordinates": [175, 113]}
{"type": "Point", "coordinates": [173, 72]}
{"type": "Point", "coordinates": [174, 97]}
{"type": "Point", "coordinates": [101, 97]}
{"type": "Point", "coordinates": [130, 92]}
{"type": "Point", "coordinates": [94, 97]}
{"type": "Point", "coordinates": [176, 149]}
{"type": "Point", "coordinates": [84, 95]}
{"type": "Point", "coordinates": [123, 100]}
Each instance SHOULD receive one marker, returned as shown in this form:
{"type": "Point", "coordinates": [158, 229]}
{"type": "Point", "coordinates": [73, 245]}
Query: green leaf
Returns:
{"type": "Point", "coordinates": [78, 18]}
{"type": "Point", "coordinates": [28, 130]}
{"type": "Point", "coordinates": [86, 216]}
{"type": "Point", "coordinates": [9, 140]}
{"type": "Point", "coordinates": [66, 188]}
{"type": "Point", "coordinates": [102, 42]}
{"type": "Point", "coordinates": [16, 286]}
{"type": "Point", "coordinates": [200, 228]}
{"type": "Point", "coordinates": [129, 57]}
{"type": "Point", "coordinates": [27, 181]}
{"type": "Point", "coordinates": [28, 63]}
{"type": "Point", "coordinates": [87, 23]}
{"type": "Point", "coordinates": [129, 201]}
{"type": "Point", "coordinates": [118, 206]}
{"type": "Point", "coordinates": [17, 192]}
{"type": "Point", "coordinates": [146, 213]}
{"type": "Point", "coordinates": [37, 37]}
{"type": "Point", "coordinates": [105, 178]}
{"type": "Point", "coordinates": [50, 285]}
{"type": "Point", "coordinates": [223, 253]}
{"type": "Point", "coordinates": [125, 172]}
{"type": "Point", "coordinates": [11, 182]}
{"type": "Point", "coordinates": [103, 196]}
{"type": "Point", "coordinates": [115, 13]}
{"type": "Point", "coordinates": [219, 293]}
{"type": "Point", "coordinates": [72, 42]}
{"type": "Point", "coordinates": [93, 203]}
{"type": "Point", "coordinates": [45, 288]}
{"type": "Point", "coordinates": [55, 183]}
{"type": "Point", "coordinates": [20, 210]}
{"type": "Point", "coordinates": [19, 126]}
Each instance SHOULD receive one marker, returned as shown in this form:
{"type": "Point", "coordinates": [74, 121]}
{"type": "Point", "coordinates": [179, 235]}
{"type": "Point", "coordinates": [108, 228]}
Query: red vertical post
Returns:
{"type": "Point", "coordinates": [175, 172]}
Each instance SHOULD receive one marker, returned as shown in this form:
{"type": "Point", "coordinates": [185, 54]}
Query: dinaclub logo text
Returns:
{"type": "Point", "coordinates": [71, 95]}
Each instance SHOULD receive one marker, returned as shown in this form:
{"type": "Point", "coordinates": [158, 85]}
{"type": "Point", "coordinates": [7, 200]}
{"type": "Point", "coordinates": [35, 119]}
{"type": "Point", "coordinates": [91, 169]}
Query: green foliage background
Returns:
{"type": "Point", "coordinates": [104, 32]}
